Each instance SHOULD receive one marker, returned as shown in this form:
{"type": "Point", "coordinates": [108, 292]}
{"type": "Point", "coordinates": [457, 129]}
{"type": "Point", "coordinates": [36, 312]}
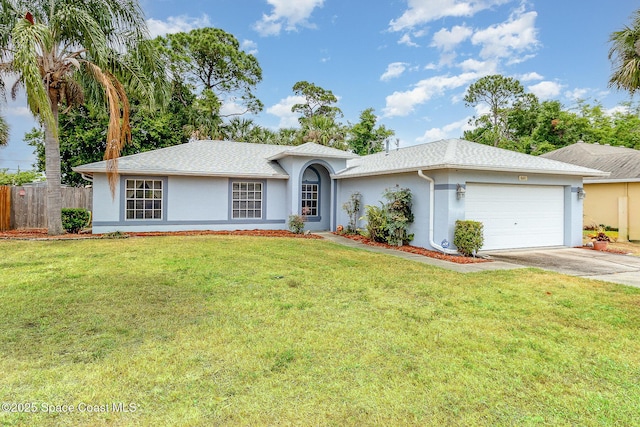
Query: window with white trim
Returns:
{"type": "Point", "coordinates": [246, 200]}
{"type": "Point", "coordinates": [143, 199]}
{"type": "Point", "coordinates": [309, 199]}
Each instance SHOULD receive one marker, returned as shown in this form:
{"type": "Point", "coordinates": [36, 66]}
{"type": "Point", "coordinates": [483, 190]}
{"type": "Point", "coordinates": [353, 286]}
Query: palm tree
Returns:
{"type": "Point", "coordinates": [625, 56]}
{"type": "Point", "coordinates": [4, 132]}
{"type": "Point", "coordinates": [63, 50]}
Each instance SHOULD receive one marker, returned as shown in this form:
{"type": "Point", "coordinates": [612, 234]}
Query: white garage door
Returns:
{"type": "Point", "coordinates": [517, 216]}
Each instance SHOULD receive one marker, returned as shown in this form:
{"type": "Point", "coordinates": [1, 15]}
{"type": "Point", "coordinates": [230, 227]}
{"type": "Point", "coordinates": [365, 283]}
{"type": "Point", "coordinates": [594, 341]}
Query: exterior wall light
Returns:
{"type": "Point", "coordinates": [460, 191]}
{"type": "Point", "coordinates": [581, 193]}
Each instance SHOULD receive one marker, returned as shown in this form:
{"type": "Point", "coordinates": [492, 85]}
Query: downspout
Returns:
{"type": "Point", "coordinates": [432, 199]}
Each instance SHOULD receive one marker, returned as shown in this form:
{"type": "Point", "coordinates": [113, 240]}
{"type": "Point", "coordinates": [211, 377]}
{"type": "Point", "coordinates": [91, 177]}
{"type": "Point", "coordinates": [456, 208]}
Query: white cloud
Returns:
{"type": "Point", "coordinates": [250, 47]}
{"type": "Point", "coordinates": [546, 90]}
{"type": "Point", "coordinates": [18, 111]}
{"type": "Point", "coordinates": [479, 67]}
{"type": "Point", "coordinates": [424, 11]}
{"type": "Point", "coordinates": [577, 93]}
{"type": "Point", "coordinates": [282, 110]}
{"type": "Point", "coordinates": [530, 77]}
{"type": "Point", "coordinates": [230, 107]}
{"type": "Point", "coordinates": [287, 14]}
{"type": "Point", "coordinates": [452, 130]}
{"type": "Point", "coordinates": [504, 40]}
{"type": "Point", "coordinates": [406, 40]}
{"type": "Point", "coordinates": [448, 39]}
{"type": "Point", "coordinates": [622, 109]}
{"type": "Point", "coordinates": [403, 103]}
{"type": "Point", "coordinates": [394, 70]}
{"type": "Point", "coordinates": [176, 24]}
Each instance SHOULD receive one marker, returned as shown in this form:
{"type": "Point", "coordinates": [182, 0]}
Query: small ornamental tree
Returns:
{"type": "Point", "coordinates": [468, 237]}
{"type": "Point", "coordinates": [352, 207]}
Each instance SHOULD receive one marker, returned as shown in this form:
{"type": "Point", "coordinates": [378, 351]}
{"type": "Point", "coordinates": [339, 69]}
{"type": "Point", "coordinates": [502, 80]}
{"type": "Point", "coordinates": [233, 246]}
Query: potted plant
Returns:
{"type": "Point", "coordinates": [600, 240]}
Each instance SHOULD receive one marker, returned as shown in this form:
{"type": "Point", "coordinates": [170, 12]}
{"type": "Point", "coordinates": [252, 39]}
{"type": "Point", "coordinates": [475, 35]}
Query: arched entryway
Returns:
{"type": "Point", "coordinates": [315, 197]}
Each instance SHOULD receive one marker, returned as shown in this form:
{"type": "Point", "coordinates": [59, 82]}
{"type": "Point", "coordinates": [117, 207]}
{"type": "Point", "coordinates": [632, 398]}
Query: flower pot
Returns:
{"type": "Point", "coordinates": [600, 245]}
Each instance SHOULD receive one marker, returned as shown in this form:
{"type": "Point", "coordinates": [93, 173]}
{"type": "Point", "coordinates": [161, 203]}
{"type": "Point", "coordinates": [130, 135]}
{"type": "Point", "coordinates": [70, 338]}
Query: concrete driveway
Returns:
{"type": "Point", "coordinates": [587, 263]}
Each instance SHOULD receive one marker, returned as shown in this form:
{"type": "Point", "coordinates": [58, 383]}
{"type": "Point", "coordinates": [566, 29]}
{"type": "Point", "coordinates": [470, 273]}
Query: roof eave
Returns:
{"type": "Point", "coordinates": [610, 180]}
{"type": "Point", "coordinates": [474, 167]}
{"type": "Point", "coordinates": [90, 172]}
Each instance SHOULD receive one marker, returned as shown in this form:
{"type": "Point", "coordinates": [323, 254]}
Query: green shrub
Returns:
{"type": "Point", "coordinates": [376, 217]}
{"type": "Point", "coordinates": [75, 219]}
{"type": "Point", "coordinates": [468, 237]}
{"type": "Point", "coordinates": [389, 223]}
{"type": "Point", "coordinates": [296, 224]}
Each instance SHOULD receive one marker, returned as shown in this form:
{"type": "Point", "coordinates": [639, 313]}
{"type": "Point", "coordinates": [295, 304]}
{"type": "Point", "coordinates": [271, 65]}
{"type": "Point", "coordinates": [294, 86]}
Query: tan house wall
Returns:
{"type": "Point", "coordinates": [616, 205]}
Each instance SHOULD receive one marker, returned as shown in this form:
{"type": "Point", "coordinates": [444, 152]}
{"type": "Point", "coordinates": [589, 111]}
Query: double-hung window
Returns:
{"type": "Point", "coordinates": [310, 199]}
{"type": "Point", "coordinates": [143, 199]}
{"type": "Point", "coordinates": [246, 200]}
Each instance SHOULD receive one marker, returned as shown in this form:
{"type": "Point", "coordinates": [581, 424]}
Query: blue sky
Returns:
{"type": "Point", "coordinates": [410, 60]}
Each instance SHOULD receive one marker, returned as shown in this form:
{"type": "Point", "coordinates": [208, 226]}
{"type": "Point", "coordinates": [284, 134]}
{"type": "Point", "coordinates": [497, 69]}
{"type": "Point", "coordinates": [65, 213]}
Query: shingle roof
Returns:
{"type": "Point", "coordinates": [458, 154]}
{"type": "Point", "coordinates": [622, 162]}
{"type": "Point", "coordinates": [206, 158]}
{"type": "Point", "coordinates": [311, 149]}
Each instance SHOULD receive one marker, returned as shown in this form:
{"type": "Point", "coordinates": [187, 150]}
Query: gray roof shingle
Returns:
{"type": "Point", "coordinates": [206, 158]}
{"type": "Point", "coordinates": [459, 154]}
{"type": "Point", "coordinates": [622, 162]}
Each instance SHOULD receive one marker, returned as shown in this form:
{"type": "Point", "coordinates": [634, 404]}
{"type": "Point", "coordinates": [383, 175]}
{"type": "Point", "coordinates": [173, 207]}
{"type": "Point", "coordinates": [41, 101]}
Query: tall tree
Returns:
{"type": "Point", "coordinates": [624, 54]}
{"type": "Point", "coordinates": [499, 93]}
{"type": "Point", "coordinates": [82, 132]}
{"type": "Point", "coordinates": [61, 50]}
{"type": "Point", "coordinates": [318, 101]}
{"type": "Point", "coordinates": [324, 130]}
{"type": "Point", "coordinates": [4, 126]}
{"type": "Point", "coordinates": [211, 62]}
{"type": "Point", "coordinates": [364, 137]}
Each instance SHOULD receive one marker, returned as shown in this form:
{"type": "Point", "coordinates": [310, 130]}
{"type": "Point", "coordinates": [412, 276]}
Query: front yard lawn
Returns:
{"type": "Point", "coordinates": [229, 330]}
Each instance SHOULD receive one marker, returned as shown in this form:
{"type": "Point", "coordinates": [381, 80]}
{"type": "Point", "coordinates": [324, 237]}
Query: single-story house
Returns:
{"type": "Point", "coordinates": [613, 200]}
{"type": "Point", "coordinates": [522, 200]}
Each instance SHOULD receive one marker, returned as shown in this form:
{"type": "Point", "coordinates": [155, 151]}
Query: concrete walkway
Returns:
{"type": "Point", "coordinates": [588, 264]}
{"type": "Point", "coordinates": [460, 268]}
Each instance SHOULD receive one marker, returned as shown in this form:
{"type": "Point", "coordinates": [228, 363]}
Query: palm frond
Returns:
{"type": "Point", "coordinates": [119, 130]}
{"type": "Point", "coordinates": [4, 131]}
{"type": "Point", "coordinates": [29, 38]}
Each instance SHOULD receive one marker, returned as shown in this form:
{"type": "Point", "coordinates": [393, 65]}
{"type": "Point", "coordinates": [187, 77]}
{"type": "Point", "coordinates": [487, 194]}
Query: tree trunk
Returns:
{"type": "Point", "coordinates": [52, 172]}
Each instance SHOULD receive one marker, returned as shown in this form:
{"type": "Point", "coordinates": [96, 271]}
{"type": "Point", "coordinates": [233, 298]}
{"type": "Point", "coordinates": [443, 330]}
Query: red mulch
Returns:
{"type": "Point", "coordinates": [417, 250]}
{"type": "Point", "coordinates": [41, 233]}
{"type": "Point", "coordinates": [610, 250]}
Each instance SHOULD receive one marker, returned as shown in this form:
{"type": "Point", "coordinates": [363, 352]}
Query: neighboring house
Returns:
{"type": "Point", "coordinates": [523, 201]}
{"type": "Point", "coordinates": [614, 200]}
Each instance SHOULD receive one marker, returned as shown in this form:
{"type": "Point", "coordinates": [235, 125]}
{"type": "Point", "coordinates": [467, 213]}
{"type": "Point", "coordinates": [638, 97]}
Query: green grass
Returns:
{"type": "Point", "coordinates": [215, 330]}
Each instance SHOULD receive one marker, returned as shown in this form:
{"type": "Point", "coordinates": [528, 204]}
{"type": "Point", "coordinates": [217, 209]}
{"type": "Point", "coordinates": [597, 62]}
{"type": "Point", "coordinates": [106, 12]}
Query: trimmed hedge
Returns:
{"type": "Point", "coordinates": [75, 219]}
{"type": "Point", "coordinates": [468, 237]}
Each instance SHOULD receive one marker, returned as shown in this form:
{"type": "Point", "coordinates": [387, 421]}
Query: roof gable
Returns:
{"type": "Point", "coordinates": [311, 149]}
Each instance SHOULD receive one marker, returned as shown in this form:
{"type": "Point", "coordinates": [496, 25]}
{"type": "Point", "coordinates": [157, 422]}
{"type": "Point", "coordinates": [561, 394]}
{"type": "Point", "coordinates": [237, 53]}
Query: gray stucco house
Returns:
{"type": "Point", "coordinates": [523, 201]}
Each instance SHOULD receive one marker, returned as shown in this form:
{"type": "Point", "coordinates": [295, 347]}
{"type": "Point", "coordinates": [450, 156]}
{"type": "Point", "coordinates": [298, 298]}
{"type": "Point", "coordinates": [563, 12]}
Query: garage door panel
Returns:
{"type": "Point", "coordinates": [517, 215]}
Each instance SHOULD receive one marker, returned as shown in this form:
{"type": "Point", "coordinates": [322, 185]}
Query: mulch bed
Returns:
{"type": "Point", "coordinates": [610, 250]}
{"type": "Point", "coordinates": [41, 234]}
{"type": "Point", "coordinates": [417, 250]}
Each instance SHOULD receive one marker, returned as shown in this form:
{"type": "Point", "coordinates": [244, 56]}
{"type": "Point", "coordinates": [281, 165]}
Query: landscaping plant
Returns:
{"type": "Point", "coordinates": [468, 237]}
{"type": "Point", "coordinates": [75, 219]}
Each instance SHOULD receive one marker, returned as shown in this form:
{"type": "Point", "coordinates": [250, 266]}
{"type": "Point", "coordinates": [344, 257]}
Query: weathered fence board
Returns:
{"type": "Point", "coordinates": [29, 204]}
{"type": "Point", "coordinates": [5, 208]}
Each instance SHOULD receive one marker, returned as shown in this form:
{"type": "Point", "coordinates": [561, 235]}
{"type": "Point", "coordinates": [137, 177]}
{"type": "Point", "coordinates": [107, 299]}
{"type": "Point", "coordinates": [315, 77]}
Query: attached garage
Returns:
{"type": "Point", "coordinates": [517, 216]}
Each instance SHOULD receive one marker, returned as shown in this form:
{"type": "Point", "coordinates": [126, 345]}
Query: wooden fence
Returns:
{"type": "Point", "coordinates": [5, 208]}
{"type": "Point", "coordinates": [26, 206]}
